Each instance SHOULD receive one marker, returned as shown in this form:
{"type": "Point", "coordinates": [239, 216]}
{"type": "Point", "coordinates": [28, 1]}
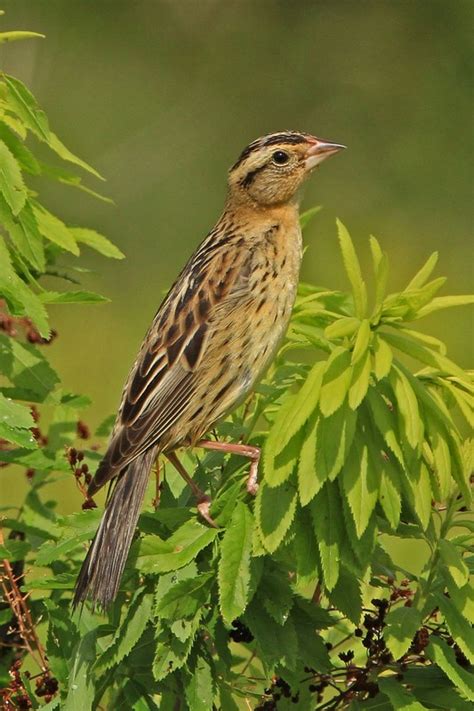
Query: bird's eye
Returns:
{"type": "Point", "coordinates": [280, 157]}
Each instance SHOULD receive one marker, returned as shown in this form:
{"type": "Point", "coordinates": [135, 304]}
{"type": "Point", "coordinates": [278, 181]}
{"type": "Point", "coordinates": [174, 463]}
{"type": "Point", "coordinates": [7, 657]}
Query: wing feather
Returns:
{"type": "Point", "coordinates": [162, 381]}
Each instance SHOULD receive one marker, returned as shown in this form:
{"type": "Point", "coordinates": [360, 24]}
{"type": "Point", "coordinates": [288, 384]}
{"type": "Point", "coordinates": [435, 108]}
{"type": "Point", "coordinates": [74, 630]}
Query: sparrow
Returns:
{"type": "Point", "coordinates": [212, 338]}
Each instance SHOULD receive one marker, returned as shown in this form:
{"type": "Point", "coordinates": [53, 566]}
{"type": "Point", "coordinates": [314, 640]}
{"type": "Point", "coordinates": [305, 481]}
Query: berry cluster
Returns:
{"type": "Point", "coordinates": [279, 688]}
{"type": "Point", "coordinates": [82, 475]}
{"type": "Point", "coordinates": [11, 325]}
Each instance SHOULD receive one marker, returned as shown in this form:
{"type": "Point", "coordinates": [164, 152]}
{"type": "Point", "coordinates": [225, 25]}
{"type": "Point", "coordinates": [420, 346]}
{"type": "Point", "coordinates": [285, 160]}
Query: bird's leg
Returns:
{"type": "Point", "coordinates": [203, 502]}
{"type": "Point", "coordinates": [244, 450]}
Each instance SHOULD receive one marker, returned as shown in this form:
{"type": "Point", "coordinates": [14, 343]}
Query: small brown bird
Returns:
{"type": "Point", "coordinates": [211, 339]}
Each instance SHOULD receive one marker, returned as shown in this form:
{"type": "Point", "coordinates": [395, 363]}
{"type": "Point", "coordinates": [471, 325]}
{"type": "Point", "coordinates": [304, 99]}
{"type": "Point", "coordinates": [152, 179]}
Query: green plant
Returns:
{"type": "Point", "coordinates": [295, 601]}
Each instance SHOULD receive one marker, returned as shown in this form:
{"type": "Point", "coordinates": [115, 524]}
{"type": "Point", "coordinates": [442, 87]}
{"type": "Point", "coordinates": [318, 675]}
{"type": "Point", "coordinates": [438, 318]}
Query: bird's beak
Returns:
{"type": "Point", "coordinates": [319, 151]}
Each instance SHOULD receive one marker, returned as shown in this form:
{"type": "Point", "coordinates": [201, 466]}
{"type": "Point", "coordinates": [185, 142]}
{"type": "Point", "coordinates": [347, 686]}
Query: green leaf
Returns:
{"type": "Point", "coordinates": [307, 216]}
{"type": "Point", "coordinates": [24, 234]}
{"type": "Point", "coordinates": [462, 633]}
{"type": "Point", "coordinates": [336, 381]}
{"type": "Point", "coordinates": [347, 595]}
{"type": "Point", "coordinates": [52, 228]}
{"type": "Point", "coordinates": [14, 415]}
{"type": "Point", "coordinates": [158, 556]}
{"type": "Point", "coordinates": [360, 381]}
{"type": "Point", "coordinates": [334, 439]}
{"type": "Point", "coordinates": [454, 563]}
{"type": "Point", "coordinates": [309, 481]}
{"type": "Point", "coordinates": [352, 266]}
{"type": "Point", "coordinates": [127, 635]}
{"type": "Point", "coordinates": [306, 556]}
{"type": "Point", "coordinates": [326, 511]}
{"type": "Point", "coordinates": [390, 490]}
{"type": "Point", "coordinates": [345, 326]}
{"type": "Point", "coordinates": [72, 297]}
{"type": "Point", "coordinates": [20, 299]}
{"type": "Point", "coordinates": [22, 438]}
{"type": "Point", "coordinates": [291, 419]}
{"type": "Point", "coordinates": [274, 512]}
{"type": "Point", "coordinates": [24, 105]}
{"type": "Point", "coordinates": [383, 357]}
{"type": "Point", "coordinates": [442, 655]}
{"type": "Point", "coordinates": [441, 463]}
{"type": "Point", "coordinates": [401, 626]}
{"type": "Point", "coordinates": [97, 241]}
{"type": "Point", "coordinates": [360, 485]}
{"type": "Point", "coordinates": [11, 180]}
{"type": "Point", "coordinates": [24, 156]}
{"type": "Point", "coordinates": [400, 698]}
{"type": "Point", "coordinates": [380, 262]}
{"type": "Point", "coordinates": [445, 302]}
{"type": "Point", "coordinates": [424, 354]}
{"type": "Point", "coordinates": [417, 489]}
{"type": "Point", "coordinates": [15, 35]}
{"type": "Point", "coordinates": [362, 341]}
{"type": "Point", "coordinates": [407, 405]}
{"type": "Point", "coordinates": [199, 689]}
{"type": "Point", "coordinates": [60, 149]}
{"type": "Point", "coordinates": [27, 369]}
{"type": "Point", "coordinates": [184, 598]}
{"type": "Point", "coordinates": [234, 563]}
{"type": "Point", "coordinates": [422, 276]}
{"type": "Point", "coordinates": [384, 420]}
{"type": "Point", "coordinates": [14, 550]}
{"type": "Point", "coordinates": [81, 689]}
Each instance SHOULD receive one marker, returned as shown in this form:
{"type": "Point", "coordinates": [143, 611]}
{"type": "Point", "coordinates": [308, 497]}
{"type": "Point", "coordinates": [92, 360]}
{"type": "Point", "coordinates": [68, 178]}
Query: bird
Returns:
{"type": "Point", "coordinates": [212, 338]}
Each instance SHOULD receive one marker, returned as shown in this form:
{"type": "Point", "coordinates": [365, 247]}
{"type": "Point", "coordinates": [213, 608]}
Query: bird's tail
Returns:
{"type": "Point", "coordinates": [102, 569]}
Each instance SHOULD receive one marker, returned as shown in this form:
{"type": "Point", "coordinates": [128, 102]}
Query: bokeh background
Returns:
{"type": "Point", "coordinates": [161, 96]}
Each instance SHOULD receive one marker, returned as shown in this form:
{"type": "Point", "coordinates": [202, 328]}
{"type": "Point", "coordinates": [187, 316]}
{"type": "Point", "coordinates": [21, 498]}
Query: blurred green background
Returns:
{"type": "Point", "coordinates": [161, 96]}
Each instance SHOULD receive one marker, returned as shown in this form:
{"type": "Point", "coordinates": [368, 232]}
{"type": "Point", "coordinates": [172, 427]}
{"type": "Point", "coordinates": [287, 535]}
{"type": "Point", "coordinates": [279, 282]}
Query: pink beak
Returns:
{"type": "Point", "coordinates": [319, 151]}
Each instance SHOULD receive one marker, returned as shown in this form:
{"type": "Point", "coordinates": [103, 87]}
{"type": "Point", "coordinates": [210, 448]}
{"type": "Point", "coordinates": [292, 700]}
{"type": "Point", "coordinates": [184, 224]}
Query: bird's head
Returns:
{"type": "Point", "coordinates": [271, 169]}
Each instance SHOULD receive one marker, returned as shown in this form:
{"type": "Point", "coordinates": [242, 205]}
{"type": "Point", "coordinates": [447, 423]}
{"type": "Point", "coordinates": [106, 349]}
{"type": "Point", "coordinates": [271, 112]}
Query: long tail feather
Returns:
{"type": "Point", "coordinates": [102, 569]}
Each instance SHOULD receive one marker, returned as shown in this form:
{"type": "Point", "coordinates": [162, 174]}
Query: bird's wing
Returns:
{"type": "Point", "coordinates": [162, 381]}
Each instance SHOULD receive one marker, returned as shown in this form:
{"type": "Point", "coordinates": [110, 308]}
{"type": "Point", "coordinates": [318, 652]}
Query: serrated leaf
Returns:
{"type": "Point", "coordinates": [360, 484]}
{"type": "Point", "coordinates": [199, 689]}
{"type": "Point", "coordinates": [407, 405]}
{"type": "Point", "coordinates": [417, 489]}
{"type": "Point", "coordinates": [454, 563]}
{"type": "Point", "coordinates": [274, 511]}
{"type": "Point", "coordinates": [345, 326]}
{"type": "Point", "coordinates": [306, 556]}
{"type": "Point", "coordinates": [334, 439]}
{"type": "Point", "coordinates": [137, 617]}
{"type": "Point", "coordinates": [20, 299]}
{"type": "Point", "coordinates": [445, 302]}
{"type": "Point", "coordinates": [383, 357]}
{"type": "Point", "coordinates": [384, 420]}
{"type": "Point", "coordinates": [14, 415]}
{"type": "Point", "coordinates": [309, 481]}
{"type": "Point", "coordinates": [347, 595]}
{"type": "Point", "coordinates": [27, 369]}
{"type": "Point", "coordinates": [52, 228]}
{"type": "Point", "coordinates": [352, 266]}
{"type": "Point", "coordinates": [422, 276]}
{"type": "Point", "coordinates": [22, 438]}
{"type": "Point", "coordinates": [158, 556]}
{"type": "Point", "coordinates": [424, 354]}
{"type": "Point", "coordinates": [11, 180]}
{"type": "Point", "coordinates": [24, 105]}
{"type": "Point", "coordinates": [14, 550]}
{"type": "Point", "coordinates": [463, 598]}
{"type": "Point", "coordinates": [380, 262]}
{"type": "Point", "coordinates": [360, 381]}
{"type": "Point", "coordinates": [336, 381]}
{"type": "Point", "coordinates": [401, 626]}
{"type": "Point", "coordinates": [362, 341]}
{"type": "Point", "coordinates": [441, 464]}
{"type": "Point", "coordinates": [400, 698]}
{"type": "Point", "coordinates": [462, 633]}
{"type": "Point", "coordinates": [390, 491]}
{"type": "Point", "coordinates": [290, 420]}
{"type": "Point", "coordinates": [234, 563]}
{"type": "Point", "coordinates": [326, 511]}
{"type": "Point", "coordinates": [170, 652]}
{"type": "Point", "coordinates": [24, 234]}
{"type": "Point", "coordinates": [442, 655]}
{"type": "Point", "coordinates": [96, 241]}
{"type": "Point", "coordinates": [60, 149]}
